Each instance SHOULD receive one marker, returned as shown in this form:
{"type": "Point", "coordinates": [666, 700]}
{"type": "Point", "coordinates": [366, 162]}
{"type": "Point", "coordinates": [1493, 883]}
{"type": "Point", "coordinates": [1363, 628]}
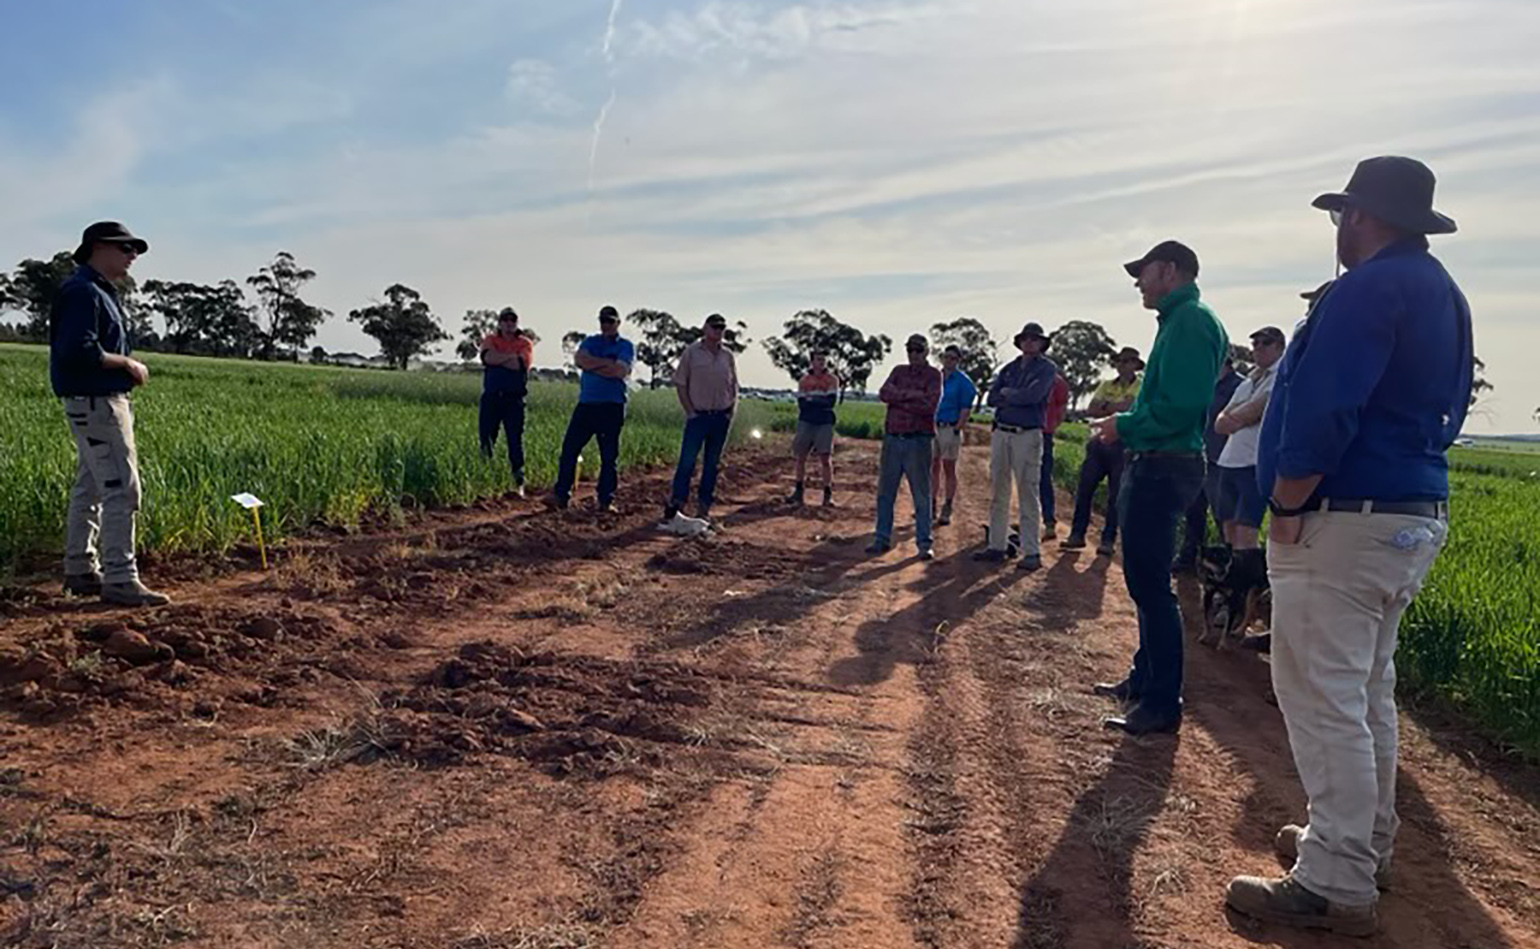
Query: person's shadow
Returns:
{"type": "Point", "coordinates": [1083, 889]}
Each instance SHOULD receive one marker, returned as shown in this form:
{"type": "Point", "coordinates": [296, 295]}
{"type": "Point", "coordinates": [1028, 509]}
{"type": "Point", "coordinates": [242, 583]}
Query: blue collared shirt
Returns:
{"type": "Point", "coordinates": [86, 323]}
{"type": "Point", "coordinates": [593, 387]}
{"type": "Point", "coordinates": [957, 395]}
{"type": "Point", "coordinates": [1030, 382]}
{"type": "Point", "coordinates": [1376, 386]}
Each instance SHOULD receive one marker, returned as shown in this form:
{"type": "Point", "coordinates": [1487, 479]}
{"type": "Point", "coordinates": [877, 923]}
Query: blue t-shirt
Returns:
{"type": "Point", "coordinates": [596, 388]}
{"type": "Point", "coordinates": [957, 395]}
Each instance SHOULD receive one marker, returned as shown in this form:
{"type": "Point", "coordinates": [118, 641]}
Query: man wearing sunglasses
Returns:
{"type": "Point", "coordinates": [506, 356]}
{"type": "Point", "coordinates": [92, 372]}
{"type": "Point", "coordinates": [605, 360]}
{"type": "Point", "coordinates": [1370, 395]}
{"type": "Point", "coordinates": [911, 394]}
{"type": "Point", "coordinates": [707, 382]}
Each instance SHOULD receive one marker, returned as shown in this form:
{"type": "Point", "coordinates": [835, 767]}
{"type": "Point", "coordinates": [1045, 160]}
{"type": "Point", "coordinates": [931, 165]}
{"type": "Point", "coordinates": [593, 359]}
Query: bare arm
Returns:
{"type": "Point", "coordinates": [1233, 420]}
{"type": "Point", "coordinates": [136, 370]}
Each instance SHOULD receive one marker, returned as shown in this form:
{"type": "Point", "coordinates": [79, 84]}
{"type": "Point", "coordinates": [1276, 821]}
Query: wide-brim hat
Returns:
{"type": "Point", "coordinates": [1034, 331]}
{"type": "Point", "coordinates": [1127, 352]}
{"type": "Point", "coordinates": [1395, 189]}
{"type": "Point", "coordinates": [108, 232]}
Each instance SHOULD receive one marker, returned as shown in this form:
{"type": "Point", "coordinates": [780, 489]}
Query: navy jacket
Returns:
{"type": "Point", "coordinates": [1030, 383]}
{"type": "Point", "coordinates": [1376, 386]}
{"type": "Point", "coordinates": [85, 323]}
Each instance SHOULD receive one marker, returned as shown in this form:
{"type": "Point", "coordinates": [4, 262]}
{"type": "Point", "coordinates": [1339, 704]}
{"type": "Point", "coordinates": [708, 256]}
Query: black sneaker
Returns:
{"type": "Point", "coordinates": [1106, 548]}
{"type": "Point", "coordinates": [926, 554]}
{"type": "Point", "coordinates": [877, 548]}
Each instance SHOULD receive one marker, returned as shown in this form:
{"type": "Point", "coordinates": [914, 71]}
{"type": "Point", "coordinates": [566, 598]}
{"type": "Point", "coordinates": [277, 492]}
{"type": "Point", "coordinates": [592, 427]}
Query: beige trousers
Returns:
{"type": "Point", "coordinates": [1017, 455]}
{"type": "Point", "coordinates": [104, 500]}
{"type": "Point", "coordinates": [1338, 597]}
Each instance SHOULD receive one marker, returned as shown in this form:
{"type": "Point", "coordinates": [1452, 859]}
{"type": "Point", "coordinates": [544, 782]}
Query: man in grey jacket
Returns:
{"type": "Point", "coordinates": [1019, 396]}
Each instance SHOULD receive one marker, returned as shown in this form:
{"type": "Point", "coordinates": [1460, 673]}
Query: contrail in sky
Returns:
{"type": "Point", "coordinates": [607, 47]}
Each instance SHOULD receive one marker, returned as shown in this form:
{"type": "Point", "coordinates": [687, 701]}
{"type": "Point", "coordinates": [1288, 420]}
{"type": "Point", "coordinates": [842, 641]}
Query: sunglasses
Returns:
{"type": "Point", "coordinates": [608, 320]}
{"type": "Point", "coordinates": [716, 326]}
{"type": "Point", "coordinates": [916, 349]}
{"type": "Point", "coordinates": [126, 248]}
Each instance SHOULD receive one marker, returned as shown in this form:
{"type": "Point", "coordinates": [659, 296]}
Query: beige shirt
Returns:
{"type": "Point", "coordinates": [709, 379]}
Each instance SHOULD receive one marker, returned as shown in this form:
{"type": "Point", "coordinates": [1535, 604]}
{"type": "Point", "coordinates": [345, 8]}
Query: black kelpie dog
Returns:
{"type": "Point", "coordinates": [1236, 594]}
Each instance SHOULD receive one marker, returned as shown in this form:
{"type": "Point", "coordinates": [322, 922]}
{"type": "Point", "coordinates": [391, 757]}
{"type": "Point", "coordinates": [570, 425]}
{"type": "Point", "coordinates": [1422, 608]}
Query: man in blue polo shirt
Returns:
{"type": "Point", "coordinates": [605, 360]}
{"type": "Point", "coordinates": [1371, 394]}
{"type": "Point", "coordinates": [957, 396]}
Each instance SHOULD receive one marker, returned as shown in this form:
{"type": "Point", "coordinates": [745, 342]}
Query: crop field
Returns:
{"type": "Point", "coordinates": [323, 445]}
{"type": "Point", "coordinates": [316, 444]}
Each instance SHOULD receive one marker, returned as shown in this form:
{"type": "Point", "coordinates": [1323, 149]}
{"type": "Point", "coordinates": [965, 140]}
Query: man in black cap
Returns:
{"type": "Point", "coordinates": [1372, 392]}
{"type": "Point", "coordinates": [92, 372]}
{"type": "Point", "coordinates": [506, 355]}
{"type": "Point", "coordinates": [605, 359]}
{"type": "Point", "coordinates": [1163, 433]}
{"type": "Point", "coordinates": [1019, 395]}
{"type": "Point", "coordinates": [1195, 531]}
{"type": "Point", "coordinates": [1240, 505]}
{"type": "Point", "coordinates": [1103, 460]}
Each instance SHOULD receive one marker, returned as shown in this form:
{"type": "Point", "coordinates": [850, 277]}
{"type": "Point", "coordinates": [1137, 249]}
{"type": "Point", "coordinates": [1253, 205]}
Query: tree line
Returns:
{"type": "Point", "coordinates": [266, 317]}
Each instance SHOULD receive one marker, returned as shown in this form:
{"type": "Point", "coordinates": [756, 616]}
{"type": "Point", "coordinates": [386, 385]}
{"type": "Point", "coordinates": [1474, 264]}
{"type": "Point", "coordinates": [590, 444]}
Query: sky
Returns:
{"type": "Point", "coordinates": [896, 162]}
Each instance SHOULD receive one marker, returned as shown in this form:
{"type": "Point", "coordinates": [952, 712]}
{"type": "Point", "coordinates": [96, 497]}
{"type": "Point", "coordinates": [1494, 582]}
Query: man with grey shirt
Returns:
{"type": "Point", "coordinates": [1019, 396]}
{"type": "Point", "coordinates": [91, 371]}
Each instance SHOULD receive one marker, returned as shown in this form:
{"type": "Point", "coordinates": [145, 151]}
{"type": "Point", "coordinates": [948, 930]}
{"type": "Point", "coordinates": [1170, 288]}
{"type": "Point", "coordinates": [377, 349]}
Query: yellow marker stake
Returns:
{"type": "Point", "coordinates": [253, 503]}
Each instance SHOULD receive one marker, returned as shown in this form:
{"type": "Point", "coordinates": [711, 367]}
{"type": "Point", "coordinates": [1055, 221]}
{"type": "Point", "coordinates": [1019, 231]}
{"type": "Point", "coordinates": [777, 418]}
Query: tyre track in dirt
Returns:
{"type": "Point", "coordinates": [566, 733]}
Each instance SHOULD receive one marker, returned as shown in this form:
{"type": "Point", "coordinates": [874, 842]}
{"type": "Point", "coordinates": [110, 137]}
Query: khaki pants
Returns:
{"type": "Point", "coordinates": [105, 497]}
{"type": "Point", "coordinates": [1017, 455]}
{"type": "Point", "coordinates": [1338, 597]}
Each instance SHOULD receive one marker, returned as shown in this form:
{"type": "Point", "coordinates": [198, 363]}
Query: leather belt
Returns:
{"type": "Point", "coordinates": [1016, 429]}
{"type": "Point", "coordinates": [1430, 509]}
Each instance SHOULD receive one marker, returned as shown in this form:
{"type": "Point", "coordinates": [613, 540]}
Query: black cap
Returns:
{"type": "Point", "coordinates": [1314, 295]}
{"type": "Point", "coordinates": [608, 311]}
{"type": "Point", "coordinates": [508, 313]}
{"type": "Point", "coordinates": [110, 232]}
{"type": "Point", "coordinates": [1269, 334]}
{"type": "Point", "coordinates": [917, 340]}
{"type": "Point", "coordinates": [1397, 190]}
{"type": "Point", "coordinates": [1171, 252]}
{"type": "Point", "coordinates": [716, 319]}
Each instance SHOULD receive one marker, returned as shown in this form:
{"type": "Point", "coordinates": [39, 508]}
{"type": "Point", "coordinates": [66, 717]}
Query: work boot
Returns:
{"type": "Point", "coordinates": [1286, 845]}
{"type": "Point", "coordinates": [946, 514]}
{"type": "Point", "coordinates": [132, 593]}
{"type": "Point", "coordinates": [1119, 691]}
{"type": "Point", "coordinates": [83, 584]}
{"type": "Point", "coordinates": [795, 498]}
{"type": "Point", "coordinates": [828, 496]}
{"type": "Point", "coordinates": [877, 548]}
{"type": "Point", "coordinates": [1050, 531]}
{"type": "Point", "coordinates": [926, 554]}
{"type": "Point", "coordinates": [1073, 542]}
{"type": "Point", "coordinates": [1107, 547]}
{"type": "Point", "coordinates": [1030, 563]}
{"type": "Point", "coordinates": [1286, 902]}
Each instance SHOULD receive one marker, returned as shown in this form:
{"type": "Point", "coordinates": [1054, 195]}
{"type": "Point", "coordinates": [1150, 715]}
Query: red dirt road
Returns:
{"type": "Point", "coordinates": [507, 728]}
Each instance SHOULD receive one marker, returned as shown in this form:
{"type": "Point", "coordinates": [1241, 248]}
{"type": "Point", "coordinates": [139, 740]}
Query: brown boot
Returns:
{"type": "Point", "coordinates": [1286, 845]}
{"type": "Point", "coordinates": [1288, 903]}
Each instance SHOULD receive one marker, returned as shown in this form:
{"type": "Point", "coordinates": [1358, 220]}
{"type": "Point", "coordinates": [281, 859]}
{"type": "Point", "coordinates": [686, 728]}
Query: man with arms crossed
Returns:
{"type": "Point", "coordinates": [707, 382]}
{"type": "Point", "coordinates": [605, 360]}
{"type": "Point", "coordinates": [1241, 505]}
{"type": "Point", "coordinates": [1019, 395]}
{"type": "Point", "coordinates": [506, 357]}
{"type": "Point", "coordinates": [957, 395]}
{"type": "Point", "coordinates": [1371, 394]}
{"type": "Point", "coordinates": [1163, 433]}
{"type": "Point", "coordinates": [816, 395]}
{"type": "Point", "coordinates": [911, 394]}
{"type": "Point", "coordinates": [92, 373]}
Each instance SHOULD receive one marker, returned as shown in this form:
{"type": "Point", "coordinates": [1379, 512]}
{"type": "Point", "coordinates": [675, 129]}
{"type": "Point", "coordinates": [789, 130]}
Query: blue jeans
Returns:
{"type": "Point", "coordinates": [905, 456]}
{"type": "Point", "coordinates": [1045, 484]}
{"type": "Point", "coordinates": [1101, 461]}
{"type": "Point", "coordinates": [707, 430]}
{"type": "Point", "coordinates": [1156, 492]}
{"type": "Point", "coordinates": [504, 410]}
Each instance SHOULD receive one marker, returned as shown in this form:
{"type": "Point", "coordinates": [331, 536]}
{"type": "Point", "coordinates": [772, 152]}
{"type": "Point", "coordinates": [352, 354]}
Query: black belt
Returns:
{"type": "Point", "coordinates": [1431, 509]}
{"type": "Point", "coordinates": [1175, 455]}
{"type": "Point", "coordinates": [1017, 429]}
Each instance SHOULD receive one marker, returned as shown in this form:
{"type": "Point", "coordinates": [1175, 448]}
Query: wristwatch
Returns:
{"type": "Point", "coordinates": [1278, 510]}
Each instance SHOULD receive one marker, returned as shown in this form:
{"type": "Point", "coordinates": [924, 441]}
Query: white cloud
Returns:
{"type": "Point", "coordinates": [532, 83]}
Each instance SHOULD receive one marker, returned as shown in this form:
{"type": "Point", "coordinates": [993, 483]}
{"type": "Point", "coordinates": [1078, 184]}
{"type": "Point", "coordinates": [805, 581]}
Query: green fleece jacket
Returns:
{"type": "Point", "coordinates": [1172, 406]}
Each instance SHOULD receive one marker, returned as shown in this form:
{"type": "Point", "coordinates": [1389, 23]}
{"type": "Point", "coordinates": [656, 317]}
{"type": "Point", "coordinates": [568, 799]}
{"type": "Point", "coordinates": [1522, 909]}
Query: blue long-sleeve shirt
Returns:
{"type": "Point", "coordinates": [1376, 385]}
{"type": "Point", "coordinates": [85, 323]}
{"type": "Point", "coordinates": [1030, 382]}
